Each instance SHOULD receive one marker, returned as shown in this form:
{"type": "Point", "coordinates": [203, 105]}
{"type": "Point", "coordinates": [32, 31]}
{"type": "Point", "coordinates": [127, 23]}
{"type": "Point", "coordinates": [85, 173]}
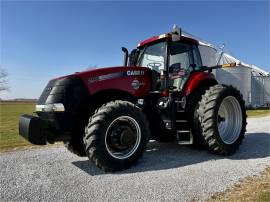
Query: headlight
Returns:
{"type": "Point", "coordinates": [55, 107]}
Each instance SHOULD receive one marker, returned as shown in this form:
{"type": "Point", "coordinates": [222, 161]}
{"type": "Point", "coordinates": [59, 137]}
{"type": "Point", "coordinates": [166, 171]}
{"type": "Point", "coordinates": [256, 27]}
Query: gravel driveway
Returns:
{"type": "Point", "coordinates": [167, 172]}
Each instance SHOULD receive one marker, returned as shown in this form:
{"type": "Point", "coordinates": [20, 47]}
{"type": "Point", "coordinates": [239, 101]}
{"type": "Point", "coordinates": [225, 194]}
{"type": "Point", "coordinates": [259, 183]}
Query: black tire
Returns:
{"type": "Point", "coordinates": [75, 146]}
{"type": "Point", "coordinates": [96, 144]}
{"type": "Point", "coordinates": [193, 104]}
{"type": "Point", "coordinates": [210, 118]}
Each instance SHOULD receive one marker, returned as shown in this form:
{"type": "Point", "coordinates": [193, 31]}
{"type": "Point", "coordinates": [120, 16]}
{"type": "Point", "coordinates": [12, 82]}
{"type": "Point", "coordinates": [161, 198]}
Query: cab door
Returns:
{"type": "Point", "coordinates": [182, 60]}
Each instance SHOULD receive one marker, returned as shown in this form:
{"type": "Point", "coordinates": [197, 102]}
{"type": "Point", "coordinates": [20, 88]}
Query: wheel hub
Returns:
{"type": "Point", "coordinates": [128, 138]}
{"type": "Point", "coordinates": [123, 137]}
{"type": "Point", "coordinates": [229, 120]}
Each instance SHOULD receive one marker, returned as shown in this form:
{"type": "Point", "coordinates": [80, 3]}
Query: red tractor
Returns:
{"type": "Point", "coordinates": [162, 92]}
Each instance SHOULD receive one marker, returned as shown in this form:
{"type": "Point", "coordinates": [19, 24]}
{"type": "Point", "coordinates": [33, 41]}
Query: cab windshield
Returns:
{"type": "Point", "coordinates": [153, 56]}
{"type": "Point", "coordinates": [183, 58]}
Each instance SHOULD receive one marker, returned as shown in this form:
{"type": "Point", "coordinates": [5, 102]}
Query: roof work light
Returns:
{"type": "Point", "coordinates": [176, 33]}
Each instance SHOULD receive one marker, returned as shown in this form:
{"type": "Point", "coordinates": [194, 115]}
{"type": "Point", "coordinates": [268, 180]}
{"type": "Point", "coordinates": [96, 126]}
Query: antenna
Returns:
{"type": "Point", "coordinates": [222, 47]}
{"type": "Point", "coordinates": [222, 52]}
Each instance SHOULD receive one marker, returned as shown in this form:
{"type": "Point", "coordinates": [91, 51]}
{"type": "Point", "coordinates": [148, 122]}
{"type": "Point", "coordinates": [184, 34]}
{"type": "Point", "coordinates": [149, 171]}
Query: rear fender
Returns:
{"type": "Point", "coordinates": [199, 79]}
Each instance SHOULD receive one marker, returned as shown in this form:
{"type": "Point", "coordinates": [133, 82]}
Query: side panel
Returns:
{"type": "Point", "coordinates": [195, 79]}
{"type": "Point", "coordinates": [133, 80]}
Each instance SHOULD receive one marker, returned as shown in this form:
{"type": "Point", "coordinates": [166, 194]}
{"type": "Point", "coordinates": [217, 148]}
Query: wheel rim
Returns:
{"type": "Point", "coordinates": [229, 120]}
{"type": "Point", "coordinates": [123, 137]}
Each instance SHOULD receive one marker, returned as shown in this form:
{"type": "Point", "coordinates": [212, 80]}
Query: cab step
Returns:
{"type": "Point", "coordinates": [181, 121]}
{"type": "Point", "coordinates": [184, 137]}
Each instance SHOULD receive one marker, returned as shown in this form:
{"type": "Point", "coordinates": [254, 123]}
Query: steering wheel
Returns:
{"type": "Point", "coordinates": [154, 65]}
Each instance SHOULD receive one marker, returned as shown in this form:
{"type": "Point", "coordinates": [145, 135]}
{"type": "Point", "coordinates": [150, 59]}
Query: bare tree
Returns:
{"type": "Point", "coordinates": [3, 80]}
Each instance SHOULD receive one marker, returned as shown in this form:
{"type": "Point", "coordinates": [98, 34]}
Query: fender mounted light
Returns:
{"type": "Point", "coordinates": [229, 65]}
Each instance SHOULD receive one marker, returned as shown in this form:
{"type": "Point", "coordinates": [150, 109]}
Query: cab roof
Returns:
{"type": "Point", "coordinates": [167, 36]}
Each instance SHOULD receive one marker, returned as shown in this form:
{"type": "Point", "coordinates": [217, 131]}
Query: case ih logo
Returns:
{"type": "Point", "coordinates": [116, 75]}
{"type": "Point", "coordinates": [135, 73]}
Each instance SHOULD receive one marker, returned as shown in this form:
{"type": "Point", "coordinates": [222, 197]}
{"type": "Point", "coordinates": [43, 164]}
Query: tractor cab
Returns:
{"type": "Point", "coordinates": [171, 59]}
{"type": "Point", "coordinates": [177, 73]}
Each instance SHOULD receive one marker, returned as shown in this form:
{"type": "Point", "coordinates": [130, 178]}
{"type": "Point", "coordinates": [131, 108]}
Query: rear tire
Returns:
{"type": "Point", "coordinates": [223, 119]}
{"type": "Point", "coordinates": [116, 135]}
{"type": "Point", "coordinates": [193, 118]}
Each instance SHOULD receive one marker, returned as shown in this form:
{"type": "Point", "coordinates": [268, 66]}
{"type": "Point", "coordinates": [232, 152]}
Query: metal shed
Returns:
{"type": "Point", "coordinates": [260, 90]}
{"type": "Point", "coordinates": [239, 77]}
{"type": "Point", "coordinates": [252, 81]}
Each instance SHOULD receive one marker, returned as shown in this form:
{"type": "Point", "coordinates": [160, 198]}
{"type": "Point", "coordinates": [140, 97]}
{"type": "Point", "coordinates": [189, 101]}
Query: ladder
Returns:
{"type": "Point", "coordinates": [183, 132]}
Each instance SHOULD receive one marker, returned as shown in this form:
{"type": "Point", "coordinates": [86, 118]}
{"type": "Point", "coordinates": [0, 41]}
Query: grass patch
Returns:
{"type": "Point", "coordinates": [258, 113]}
{"type": "Point", "coordinates": [265, 197]}
{"type": "Point", "coordinates": [255, 188]}
{"type": "Point", "coordinates": [9, 119]}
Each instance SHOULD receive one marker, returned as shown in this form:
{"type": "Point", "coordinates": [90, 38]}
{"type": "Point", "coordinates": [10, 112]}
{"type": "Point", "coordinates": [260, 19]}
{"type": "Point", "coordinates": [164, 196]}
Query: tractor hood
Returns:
{"type": "Point", "coordinates": [131, 79]}
{"type": "Point", "coordinates": [91, 73]}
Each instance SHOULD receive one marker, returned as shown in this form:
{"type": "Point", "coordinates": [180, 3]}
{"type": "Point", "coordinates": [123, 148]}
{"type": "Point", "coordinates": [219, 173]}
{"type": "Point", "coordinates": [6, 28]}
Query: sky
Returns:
{"type": "Point", "coordinates": [41, 40]}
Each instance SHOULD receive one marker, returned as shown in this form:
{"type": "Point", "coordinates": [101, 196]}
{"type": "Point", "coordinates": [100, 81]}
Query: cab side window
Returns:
{"type": "Point", "coordinates": [180, 60]}
{"type": "Point", "coordinates": [197, 57]}
{"type": "Point", "coordinates": [181, 54]}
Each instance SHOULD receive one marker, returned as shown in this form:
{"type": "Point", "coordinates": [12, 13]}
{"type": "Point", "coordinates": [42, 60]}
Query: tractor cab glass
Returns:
{"type": "Point", "coordinates": [182, 59]}
{"type": "Point", "coordinates": [153, 57]}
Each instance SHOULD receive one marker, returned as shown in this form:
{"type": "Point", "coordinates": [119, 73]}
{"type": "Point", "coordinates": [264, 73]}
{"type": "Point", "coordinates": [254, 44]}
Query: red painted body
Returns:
{"type": "Point", "coordinates": [166, 36]}
{"type": "Point", "coordinates": [122, 83]}
{"type": "Point", "coordinates": [195, 79]}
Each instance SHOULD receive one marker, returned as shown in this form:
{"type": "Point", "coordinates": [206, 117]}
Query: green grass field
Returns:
{"type": "Point", "coordinates": [258, 113]}
{"type": "Point", "coordinates": [9, 118]}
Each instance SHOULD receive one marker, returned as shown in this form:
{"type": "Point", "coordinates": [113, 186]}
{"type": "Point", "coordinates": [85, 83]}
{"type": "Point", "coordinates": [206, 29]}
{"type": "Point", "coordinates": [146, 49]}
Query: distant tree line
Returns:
{"type": "Point", "coordinates": [3, 80]}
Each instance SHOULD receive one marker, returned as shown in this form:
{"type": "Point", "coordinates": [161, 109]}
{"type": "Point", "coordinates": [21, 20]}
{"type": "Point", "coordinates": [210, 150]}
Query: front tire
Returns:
{"type": "Point", "coordinates": [75, 146]}
{"type": "Point", "coordinates": [223, 119]}
{"type": "Point", "coordinates": [116, 135]}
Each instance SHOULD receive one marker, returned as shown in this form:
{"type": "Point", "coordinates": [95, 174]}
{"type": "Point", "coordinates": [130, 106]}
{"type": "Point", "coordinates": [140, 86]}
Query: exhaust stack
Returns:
{"type": "Point", "coordinates": [125, 56]}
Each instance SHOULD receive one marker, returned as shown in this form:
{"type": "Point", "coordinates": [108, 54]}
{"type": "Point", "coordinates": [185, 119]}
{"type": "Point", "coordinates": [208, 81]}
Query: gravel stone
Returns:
{"type": "Point", "coordinates": [167, 172]}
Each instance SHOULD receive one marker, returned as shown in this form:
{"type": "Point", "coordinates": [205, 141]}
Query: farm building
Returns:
{"type": "Point", "coordinates": [252, 81]}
